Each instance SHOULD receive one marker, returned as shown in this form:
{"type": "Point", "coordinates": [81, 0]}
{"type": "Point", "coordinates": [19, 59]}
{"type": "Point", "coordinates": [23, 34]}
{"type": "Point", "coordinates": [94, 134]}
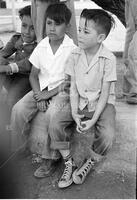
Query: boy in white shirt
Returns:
{"type": "Point", "coordinates": [47, 76]}
{"type": "Point", "coordinates": [39, 8]}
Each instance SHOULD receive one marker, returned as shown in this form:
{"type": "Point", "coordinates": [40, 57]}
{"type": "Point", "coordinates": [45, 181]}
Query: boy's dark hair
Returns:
{"type": "Point", "coordinates": [58, 12]}
{"type": "Point", "coordinates": [25, 11]}
{"type": "Point", "coordinates": [101, 18]}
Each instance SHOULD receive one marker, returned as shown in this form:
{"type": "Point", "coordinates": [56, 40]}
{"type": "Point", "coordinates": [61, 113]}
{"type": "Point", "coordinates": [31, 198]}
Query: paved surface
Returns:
{"type": "Point", "coordinates": [115, 178]}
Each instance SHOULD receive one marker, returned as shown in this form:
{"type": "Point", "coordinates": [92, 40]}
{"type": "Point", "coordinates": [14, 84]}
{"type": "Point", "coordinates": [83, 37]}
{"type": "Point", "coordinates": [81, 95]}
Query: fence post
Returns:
{"type": "Point", "coordinates": [13, 15]}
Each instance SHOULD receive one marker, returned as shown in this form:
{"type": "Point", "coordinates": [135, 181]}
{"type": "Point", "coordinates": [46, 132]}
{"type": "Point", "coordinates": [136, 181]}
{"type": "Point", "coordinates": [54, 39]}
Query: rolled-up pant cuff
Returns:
{"type": "Point", "coordinates": [60, 145]}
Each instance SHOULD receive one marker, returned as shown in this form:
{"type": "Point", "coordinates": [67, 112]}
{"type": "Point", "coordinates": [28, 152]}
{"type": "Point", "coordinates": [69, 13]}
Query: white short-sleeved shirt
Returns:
{"type": "Point", "coordinates": [51, 65]}
{"type": "Point", "coordinates": [89, 78]}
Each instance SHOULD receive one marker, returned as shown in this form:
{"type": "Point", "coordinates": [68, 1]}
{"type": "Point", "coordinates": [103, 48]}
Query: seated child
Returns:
{"type": "Point", "coordinates": [39, 8]}
{"type": "Point", "coordinates": [14, 75]}
{"type": "Point", "coordinates": [92, 68]}
{"type": "Point", "coordinates": [47, 76]}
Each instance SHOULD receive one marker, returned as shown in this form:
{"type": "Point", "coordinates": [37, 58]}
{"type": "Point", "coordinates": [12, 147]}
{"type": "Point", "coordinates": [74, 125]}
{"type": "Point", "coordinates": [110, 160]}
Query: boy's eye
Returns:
{"type": "Point", "coordinates": [86, 32]}
{"type": "Point", "coordinates": [79, 30]}
{"type": "Point", "coordinates": [48, 22]}
{"type": "Point", "coordinates": [24, 25]}
{"type": "Point", "coordinates": [32, 28]}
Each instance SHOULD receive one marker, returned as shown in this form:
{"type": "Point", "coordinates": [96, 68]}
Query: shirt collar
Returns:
{"type": "Point", "coordinates": [66, 42]}
{"type": "Point", "coordinates": [102, 52]}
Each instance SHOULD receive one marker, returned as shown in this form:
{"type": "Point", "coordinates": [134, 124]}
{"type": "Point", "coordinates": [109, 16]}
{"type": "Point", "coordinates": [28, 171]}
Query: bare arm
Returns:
{"type": "Point", "coordinates": [74, 96]}
{"type": "Point", "coordinates": [100, 106]}
{"type": "Point", "coordinates": [45, 94]}
{"type": "Point", "coordinates": [34, 80]}
{"type": "Point", "coordinates": [74, 100]}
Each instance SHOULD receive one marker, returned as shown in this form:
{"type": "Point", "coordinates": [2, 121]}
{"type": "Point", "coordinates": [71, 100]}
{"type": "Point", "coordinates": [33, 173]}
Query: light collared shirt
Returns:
{"type": "Point", "coordinates": [51, 65]}
{"type": "Point", "coordinates": [89, 78]}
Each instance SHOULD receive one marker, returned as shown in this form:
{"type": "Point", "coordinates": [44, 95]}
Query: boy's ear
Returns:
{"type": "Point", "coordinates": [68, 27]}
{"type": "Point", "coordinates": [101, 37]}
{"type": "Point", "coordinates": [20, 17]}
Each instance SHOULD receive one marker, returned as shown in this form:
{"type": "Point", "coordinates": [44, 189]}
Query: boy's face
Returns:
{"type": "Point", "coordinates": [27, 29]}
{"type": "Point", "coordinates": [88, 36]}
{"type": "Point", "coordinates": [54, 30]}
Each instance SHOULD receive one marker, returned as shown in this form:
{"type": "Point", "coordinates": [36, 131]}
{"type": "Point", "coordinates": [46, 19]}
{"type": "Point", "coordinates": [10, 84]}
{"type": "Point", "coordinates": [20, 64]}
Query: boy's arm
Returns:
{"type": "Point", "coordinates": [5, 69]}
{"type": "Point", "coordinates": [24, 66]}
{"type": "Point", "coordinates": [9, 49]}
{"type": "Point", "coordinates": [100, 106]}
{"type": "Point", "coordinates": [6, 52]}
{"type": "Point", "coordinates": [74, 100]}
{"type": "Point", "coordinates": [34, 80]}
{"type": "Point", "coordinates": [102, 101]}
{"type": "Point", "coordinates": [74, 96]}
{"type": "Point", "coordinates": [45, 95]}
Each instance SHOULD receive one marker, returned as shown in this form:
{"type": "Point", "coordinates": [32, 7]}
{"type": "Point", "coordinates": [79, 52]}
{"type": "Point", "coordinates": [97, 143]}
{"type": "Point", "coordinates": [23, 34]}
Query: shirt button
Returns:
{"type": "Point", "coordinates": [86, 90]}
{"type": "Point", "coordinates": [86, 72]}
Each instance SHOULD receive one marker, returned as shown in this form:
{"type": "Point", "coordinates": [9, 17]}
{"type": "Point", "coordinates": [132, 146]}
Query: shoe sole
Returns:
{"type": "Point", "coordinates": [76, 173]}
{"type": "Point", "coordinates": [68, 184]}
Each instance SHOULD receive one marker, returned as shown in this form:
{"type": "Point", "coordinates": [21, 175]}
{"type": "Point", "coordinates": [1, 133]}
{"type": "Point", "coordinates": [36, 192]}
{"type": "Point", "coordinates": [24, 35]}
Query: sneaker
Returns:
{"type": "Point", "coordinates": [66, 178]}
{"type": "Point", "coordinates": [79, 175]}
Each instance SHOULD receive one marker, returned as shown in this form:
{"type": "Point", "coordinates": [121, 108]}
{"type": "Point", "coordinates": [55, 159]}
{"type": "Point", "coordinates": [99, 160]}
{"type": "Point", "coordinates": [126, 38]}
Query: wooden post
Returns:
{"type": "Point", "coordinates": [13, 15]}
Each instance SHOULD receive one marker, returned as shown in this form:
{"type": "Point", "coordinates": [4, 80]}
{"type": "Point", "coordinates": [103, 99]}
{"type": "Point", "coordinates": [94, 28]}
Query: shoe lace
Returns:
{"type": "Point", "coordinates": [86, 168]}
{"type": "Point", "coordinates": [68, 170]}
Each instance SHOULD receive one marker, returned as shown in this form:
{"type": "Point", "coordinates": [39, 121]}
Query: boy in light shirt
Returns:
{"type": "Point", "coordinates": [47, 76]}
{"type": "Point", "coordinates": [92, 68]}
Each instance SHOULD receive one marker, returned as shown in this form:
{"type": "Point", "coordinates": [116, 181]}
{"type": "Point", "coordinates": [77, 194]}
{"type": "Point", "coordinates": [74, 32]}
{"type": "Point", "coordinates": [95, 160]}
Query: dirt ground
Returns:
{"type": "Point", "coordinates": [113, 178]}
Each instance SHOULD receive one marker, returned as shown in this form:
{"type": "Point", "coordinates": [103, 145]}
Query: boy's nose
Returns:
{"type": "Point", "coordinates": [52, 28]}
{"type": "Point", "coordinates": [27, 30]}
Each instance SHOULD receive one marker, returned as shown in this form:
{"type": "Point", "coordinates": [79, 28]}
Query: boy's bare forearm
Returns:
{"type": "Point", "coordinates": [74, 98]}
{"type": "Point", "coordinates": [74, 103]}
{"type": "Point", "coordinates": [55, 91]}
{"type": "Point", "coordinates": [102, 101]}
{"type": "Point", "coordinates": [34, 81]}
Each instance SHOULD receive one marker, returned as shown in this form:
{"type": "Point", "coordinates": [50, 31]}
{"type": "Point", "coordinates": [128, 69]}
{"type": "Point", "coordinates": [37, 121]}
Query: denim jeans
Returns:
{"type": "Point", "coordinates": [104, 129]}
{"type": "Point", "coordinates": [55, 122]}
{"type": "Point", "coordinates": [25, 110]}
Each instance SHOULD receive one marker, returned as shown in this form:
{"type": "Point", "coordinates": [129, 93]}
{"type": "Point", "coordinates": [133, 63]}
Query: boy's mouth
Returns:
{"type": "Point", "coordinates": [26, 36]}
{"type": "Point", "coordinates": [80, 42]}
{"type": "Point", "coordinates": [52, 34]}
